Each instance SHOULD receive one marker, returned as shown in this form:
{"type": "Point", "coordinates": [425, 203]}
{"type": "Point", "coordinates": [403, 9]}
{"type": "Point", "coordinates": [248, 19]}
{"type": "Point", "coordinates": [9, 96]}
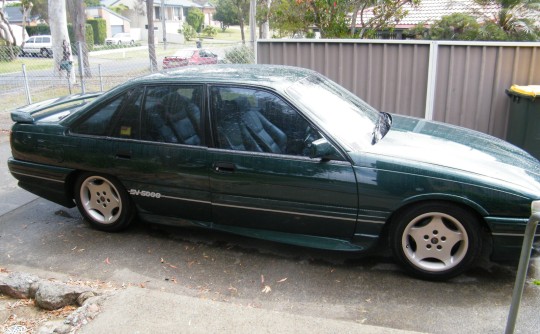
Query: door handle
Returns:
{"type": "Point", "coordinates": [125, 155]}
{"type": "Point", "coordinates": [225, 167]}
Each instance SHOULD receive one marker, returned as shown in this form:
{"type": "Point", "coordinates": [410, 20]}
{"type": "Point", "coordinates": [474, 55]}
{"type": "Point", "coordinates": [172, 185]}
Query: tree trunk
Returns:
{"type": "Point", "coordinates": [7, 34]}
{"type": "Point", "coordinates": [79, 28]}
{"type": "Point", "coordinates": [61, 44]}
{"type": "Point", "coordinates": [151, 38]}
{"type": "Point", "coordinates": [242, 29]}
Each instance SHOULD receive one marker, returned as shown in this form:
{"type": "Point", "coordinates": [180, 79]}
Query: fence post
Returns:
{"type": "Point", "coordinates": [521, 275]}
{"type": "Point", "coordinates": [26, 87]}
{"type": "Point", "coordinates": [100, 78]}
{"type": "Point", "coordinates": [431, 79]}
{"type": "Point", "coordinates": [81, 65]}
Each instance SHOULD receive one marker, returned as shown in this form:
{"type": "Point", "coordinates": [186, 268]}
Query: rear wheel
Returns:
{"type": "Point", "coordinates": [435, 241]}
{"type": "Point", "coordinates": [45, 53]}
{"type": "Point", "coordinates": [103, 202]}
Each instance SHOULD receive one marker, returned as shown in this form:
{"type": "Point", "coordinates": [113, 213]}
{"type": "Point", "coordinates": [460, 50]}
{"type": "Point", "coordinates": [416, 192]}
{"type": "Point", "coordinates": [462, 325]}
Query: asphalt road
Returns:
{"type": "Point", "coordinates": [37, 234]}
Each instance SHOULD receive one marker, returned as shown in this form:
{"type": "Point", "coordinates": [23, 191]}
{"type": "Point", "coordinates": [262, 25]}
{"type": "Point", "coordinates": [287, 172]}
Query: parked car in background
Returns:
{"type": "Point", "coordinates": [283, 154]}
{"type": "Point", "coordinates": [187, 57]}
{"type": "Point", "coordinates": [38, 45]}
{"type": "Point", "coordinates": [120, 38]}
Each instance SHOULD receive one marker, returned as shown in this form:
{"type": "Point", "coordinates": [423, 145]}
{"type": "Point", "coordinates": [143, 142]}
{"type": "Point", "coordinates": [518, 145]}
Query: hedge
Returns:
{"type": "Point", "coordinates": [99, 27]}
{"type": "Point", "coordinates": [89, 36]}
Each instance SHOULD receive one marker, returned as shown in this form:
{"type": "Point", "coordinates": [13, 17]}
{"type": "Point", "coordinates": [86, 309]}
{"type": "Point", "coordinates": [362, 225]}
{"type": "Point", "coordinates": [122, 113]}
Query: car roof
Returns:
{"type": "Point", "coordinates": [276, 76]}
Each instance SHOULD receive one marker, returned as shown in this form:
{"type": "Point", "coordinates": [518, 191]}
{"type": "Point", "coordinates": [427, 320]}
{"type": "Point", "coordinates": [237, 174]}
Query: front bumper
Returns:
{"type": "Point", "coordinates": [507, 235]}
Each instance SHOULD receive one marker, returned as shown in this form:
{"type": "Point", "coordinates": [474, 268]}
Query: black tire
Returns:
{"type": "Point", "coordinates": [103, 202]}
{"type": "Point", "coordinates": [435, 240]}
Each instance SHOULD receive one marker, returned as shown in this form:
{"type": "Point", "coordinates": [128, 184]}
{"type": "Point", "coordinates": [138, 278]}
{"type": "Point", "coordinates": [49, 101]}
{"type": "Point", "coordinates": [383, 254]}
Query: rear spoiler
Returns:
{"type": "Point", "coordinates": [25, 114]}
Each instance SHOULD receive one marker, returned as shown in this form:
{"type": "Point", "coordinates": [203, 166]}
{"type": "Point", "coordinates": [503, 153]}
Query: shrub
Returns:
{"type": "Point", "coordinates": [210, 31]}
{"type": "Point", "coordinates": [188, 31]}
{"type": "Point", "coordinates": [195, 18]}
{"type": "Point", "coordinates": [239, 55]}
{"type": "Point", "coordinates": [40, 29]}
{"type": "Point", "coordinates": [99, 27]}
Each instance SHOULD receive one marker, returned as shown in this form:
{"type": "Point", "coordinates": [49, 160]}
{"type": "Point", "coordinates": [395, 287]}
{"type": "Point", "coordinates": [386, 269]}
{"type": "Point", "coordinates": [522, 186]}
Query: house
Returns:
{"type": "Point", "coordinates": [169, 18]}
{"type": "Point", "coordinates": [429, 11]}
{"type": "Point", "coordinates": [116, 23]}
{"type": "Point", "coordinates": [15, 16]}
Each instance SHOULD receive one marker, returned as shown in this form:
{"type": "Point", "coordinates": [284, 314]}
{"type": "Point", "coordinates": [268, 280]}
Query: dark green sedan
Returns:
{"type": "Point", "coordinates": [282, 154]}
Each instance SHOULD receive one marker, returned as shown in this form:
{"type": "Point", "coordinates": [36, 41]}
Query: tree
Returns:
{"type": "Point", "coordinates": [6, 34]}
{"type": "Point", "coordinates": [60, 38]}
{"type": "Point", "coordinates": [457, 26]}
{"type": "Point", "coordinates": [288, 17]}
{"type": "Point", "coordinates": [226, 14]}
{"type": "Point", "coordinates": [26, 7]}
{"type": "Point", "coordinates": [195, 18]}
{"type": "Point", "coordinates": [78, 20]}
{"type": "Point", "coordinates": [119, 9]}
{"type": "Point", "coordinates": [41, 9]}
{"type": "Point", "coordinates": [151, 38]}
{"type": "Point", "coordinates": [384, 15]}
{"type": "Point", "coordinates": [337, 18]}
{"type": "Point", "coordinates": [230, 12]}
{"type": "Point", "coordinates": [512, 22]}
{"type": "Point", "coordinates": [515, 17]}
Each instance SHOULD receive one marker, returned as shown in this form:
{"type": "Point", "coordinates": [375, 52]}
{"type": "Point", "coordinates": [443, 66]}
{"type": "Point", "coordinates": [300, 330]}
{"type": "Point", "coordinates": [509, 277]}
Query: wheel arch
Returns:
{"type": "Point", "coordinates": [474, 208]}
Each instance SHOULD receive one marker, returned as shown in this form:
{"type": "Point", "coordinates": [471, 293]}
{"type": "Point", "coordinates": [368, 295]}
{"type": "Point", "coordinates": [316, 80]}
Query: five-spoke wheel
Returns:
{"type": "Point", "coordinates": [435, 240]}
{"type": "Point", "coordinates": [103, 202]}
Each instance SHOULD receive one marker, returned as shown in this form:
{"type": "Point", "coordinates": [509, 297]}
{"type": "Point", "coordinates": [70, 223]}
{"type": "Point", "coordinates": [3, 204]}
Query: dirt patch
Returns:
{"type": "Point", "coordinates": [23, 316]}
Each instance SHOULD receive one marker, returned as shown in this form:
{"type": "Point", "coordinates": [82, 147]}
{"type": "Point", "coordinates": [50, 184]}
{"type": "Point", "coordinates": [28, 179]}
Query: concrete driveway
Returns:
{"type": "Point", "coordinates": [38, 235]}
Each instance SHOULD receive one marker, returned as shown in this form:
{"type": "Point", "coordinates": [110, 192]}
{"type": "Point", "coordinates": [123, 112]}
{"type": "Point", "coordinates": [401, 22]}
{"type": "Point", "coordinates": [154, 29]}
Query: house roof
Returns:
{"type": "Point", "coordinates": [157, 3]}
{"type": "Point", "coordinates": [14, 15]}
{"type": "Point", "coordinates": [111, 12]}
{"type": "Point", "coordinates": [429, 11]}
{"type": "Point", "coordinates": [183, 3]}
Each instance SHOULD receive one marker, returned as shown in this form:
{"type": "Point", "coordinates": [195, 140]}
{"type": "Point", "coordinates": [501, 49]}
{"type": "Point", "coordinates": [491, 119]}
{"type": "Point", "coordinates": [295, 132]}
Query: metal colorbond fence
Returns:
{"type": "Point", "coordinates": [461, 83]}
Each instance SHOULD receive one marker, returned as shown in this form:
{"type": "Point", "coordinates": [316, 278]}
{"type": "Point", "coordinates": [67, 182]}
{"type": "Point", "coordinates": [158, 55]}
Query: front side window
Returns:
{"type": "Point", "coordinates": [255, 120]}
{"type": "Point", "coordinates": [344, 115]}
{"type": "Point", "coordinates": [172, 114]}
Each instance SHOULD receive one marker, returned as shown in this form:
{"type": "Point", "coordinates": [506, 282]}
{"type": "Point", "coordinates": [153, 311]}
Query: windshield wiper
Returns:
{"type": "Point", "coordinates": [381, 127]}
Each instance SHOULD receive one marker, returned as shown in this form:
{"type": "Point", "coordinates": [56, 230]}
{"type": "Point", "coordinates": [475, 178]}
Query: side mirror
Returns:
{"type": "Point", "coordinates": [321, 148]}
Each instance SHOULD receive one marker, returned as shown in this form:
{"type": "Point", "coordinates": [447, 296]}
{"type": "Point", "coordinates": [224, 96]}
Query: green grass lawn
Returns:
{"type": "Point", "coordinates": [32, 64]}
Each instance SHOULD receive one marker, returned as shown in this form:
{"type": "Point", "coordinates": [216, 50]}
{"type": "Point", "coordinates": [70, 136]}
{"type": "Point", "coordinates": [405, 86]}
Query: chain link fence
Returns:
{"type": "Point", "coordinates": [33, 77]}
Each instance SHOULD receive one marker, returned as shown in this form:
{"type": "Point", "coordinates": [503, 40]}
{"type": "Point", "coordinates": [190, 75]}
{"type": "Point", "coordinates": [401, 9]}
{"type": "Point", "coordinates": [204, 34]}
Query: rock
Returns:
{"type": "Point", "coordinates": [19, 285]}
{"type": "Point", "coordinates": [52, 296]}
{"type": "Point", "coordinates": [84, 297]}
{"type": "Point", "coordinates": [50, 327]}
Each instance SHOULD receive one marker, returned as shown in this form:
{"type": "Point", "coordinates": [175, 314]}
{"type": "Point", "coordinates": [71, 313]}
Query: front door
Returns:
{"type": "Point", "coordinates": [262, 177]}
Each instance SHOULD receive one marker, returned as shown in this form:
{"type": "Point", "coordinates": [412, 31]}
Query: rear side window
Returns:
{"type": "Point", "coordinates": [172, 114]}
{"type": "Point", "coordinates": [121, 113]}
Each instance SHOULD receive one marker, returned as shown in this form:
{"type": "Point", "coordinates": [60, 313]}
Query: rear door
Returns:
{"type": "Point", "coordinates": [261, 175]}
{"type": "Point", "coordinates": [161, 162]}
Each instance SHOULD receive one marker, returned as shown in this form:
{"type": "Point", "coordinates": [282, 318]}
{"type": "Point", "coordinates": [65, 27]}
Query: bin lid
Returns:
{"type": "Point", "coordinates": [531, 91]}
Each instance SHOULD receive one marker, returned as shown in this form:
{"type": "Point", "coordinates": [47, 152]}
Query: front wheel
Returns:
{"type": "Point", "coordinates": [103, 202]}
{"type": "Point", "coordinates": [435, 241]}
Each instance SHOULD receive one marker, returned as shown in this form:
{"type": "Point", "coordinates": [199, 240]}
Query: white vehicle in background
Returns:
{"type": "Point", "coordinates": [38, 45]}
{"type": "Point", "coordinates": [120, 38]}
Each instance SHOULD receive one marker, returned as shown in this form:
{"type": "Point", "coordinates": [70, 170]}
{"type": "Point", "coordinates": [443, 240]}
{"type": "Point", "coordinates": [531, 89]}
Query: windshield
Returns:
{"type": "Point", "coordinates": [346, 117]}
{"type": "Point", "coordinates": [184, 53]}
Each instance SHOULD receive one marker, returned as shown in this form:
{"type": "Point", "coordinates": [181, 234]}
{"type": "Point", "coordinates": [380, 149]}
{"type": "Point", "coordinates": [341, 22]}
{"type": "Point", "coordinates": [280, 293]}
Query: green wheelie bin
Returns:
{"type": "Point", "coordinates": [523, 129]}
